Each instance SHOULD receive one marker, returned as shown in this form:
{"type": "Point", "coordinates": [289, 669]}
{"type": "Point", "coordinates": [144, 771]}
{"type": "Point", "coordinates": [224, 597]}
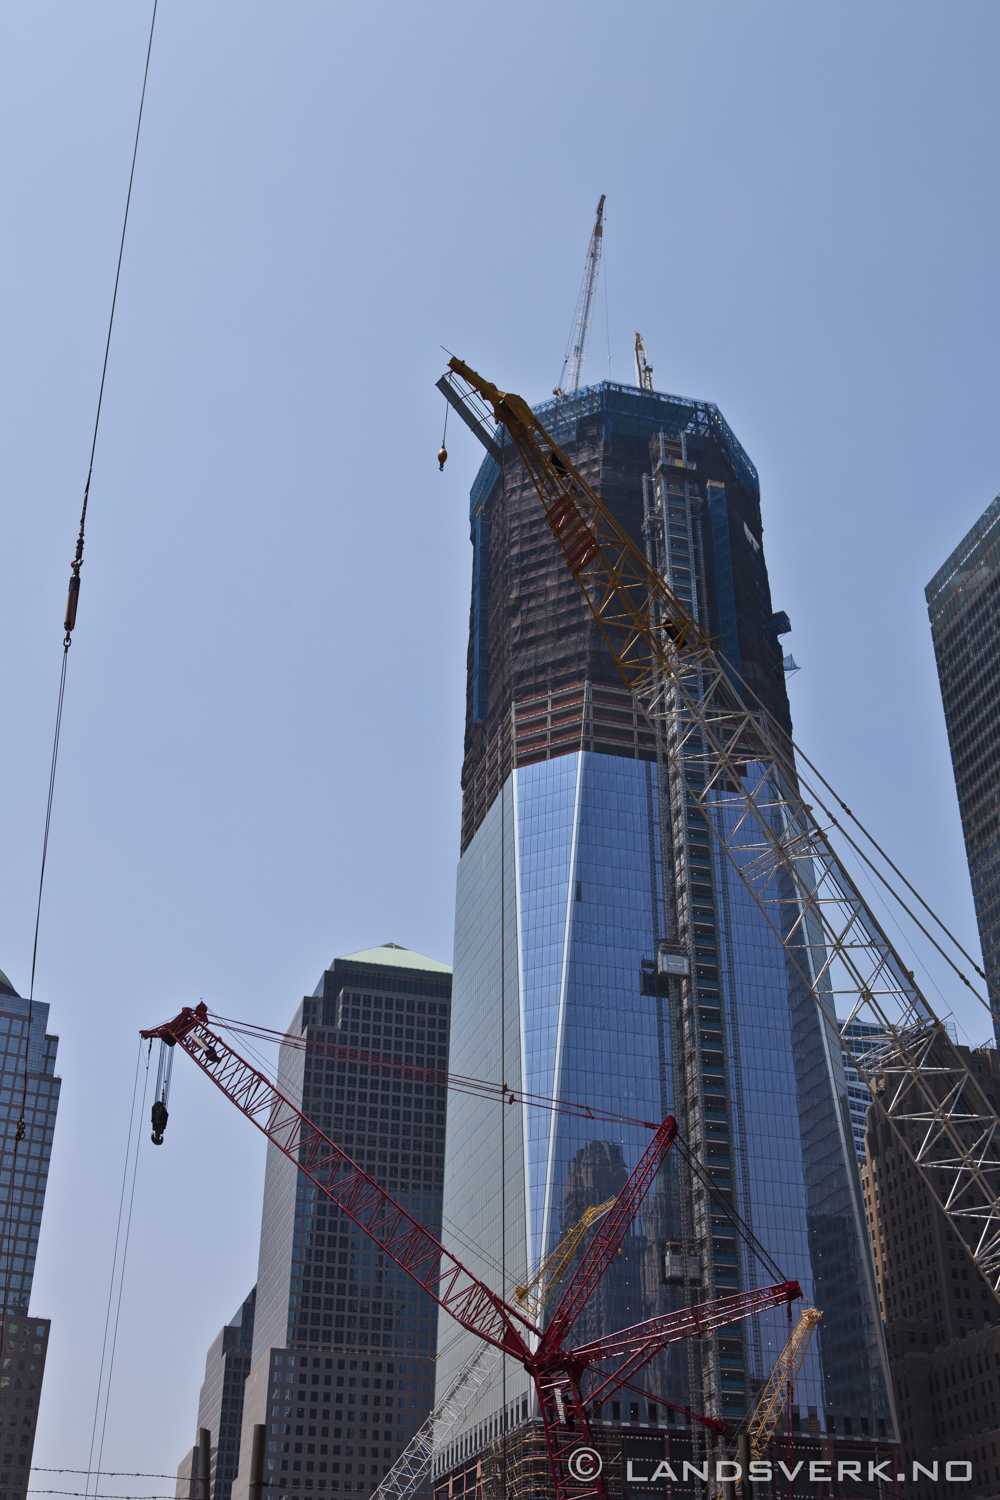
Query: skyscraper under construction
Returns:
{"type": "Point", "coordinates": [963, 599]}
{"type": "Point", "coordinates": [607, 954]}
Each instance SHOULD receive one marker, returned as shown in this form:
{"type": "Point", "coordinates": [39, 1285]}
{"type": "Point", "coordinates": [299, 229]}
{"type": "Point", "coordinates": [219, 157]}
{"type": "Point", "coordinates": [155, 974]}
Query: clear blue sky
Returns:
{"type": "Point", "coordinates": [263, 730]}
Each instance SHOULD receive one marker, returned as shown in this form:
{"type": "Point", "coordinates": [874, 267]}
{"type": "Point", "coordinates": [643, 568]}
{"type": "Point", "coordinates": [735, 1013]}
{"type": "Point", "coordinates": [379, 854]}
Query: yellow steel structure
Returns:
{"type": "Point", "coordinates": [534, 1296]}
{"type": "Point", "coordinates": [786, 1369]}
{"type": "Point", "coordinates": [761, 1427]}
{"type": "Point", "coordinates": [728, 758]}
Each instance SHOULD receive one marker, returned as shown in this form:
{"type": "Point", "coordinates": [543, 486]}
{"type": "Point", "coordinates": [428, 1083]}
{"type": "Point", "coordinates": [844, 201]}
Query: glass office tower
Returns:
{"type": "Point", "coordinates": [963, 601]}
{"type": "Point", "coordinates": [342, 1368]}
{"type": "Point", "coordinates": [29, 1089]}
{"type": "Point", "coordinates": [605, 954]}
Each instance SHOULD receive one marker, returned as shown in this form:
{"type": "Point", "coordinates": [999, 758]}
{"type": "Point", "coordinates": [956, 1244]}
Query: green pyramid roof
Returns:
{"type": "Point", "coordinates": [392, 956]}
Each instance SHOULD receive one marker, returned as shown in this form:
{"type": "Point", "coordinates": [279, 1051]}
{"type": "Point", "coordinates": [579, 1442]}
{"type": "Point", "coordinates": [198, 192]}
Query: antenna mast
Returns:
{"type": "Point", "coordinates": [575, 361]}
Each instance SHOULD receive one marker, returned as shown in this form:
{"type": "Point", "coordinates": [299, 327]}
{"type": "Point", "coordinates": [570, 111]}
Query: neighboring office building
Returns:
{"type": "Point", "coordinates": [581, 885]}
{"type": "Point", "coordinates": [963, 601]}
{"type": "Point", "coordinates": [941, 1318]}
{"type": "Point", "coordinates": [23, 1043]}
{"type": "Point", "coordinates": [220, 1406]}
{"type": "Point", "coordinates": [863, 1035]}
{"type": "Point", "coordinates": [342, 1368]}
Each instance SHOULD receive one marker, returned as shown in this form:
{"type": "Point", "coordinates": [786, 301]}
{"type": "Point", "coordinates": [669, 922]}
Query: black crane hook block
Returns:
{"type": "Point", "coordinates": [159, 1118]}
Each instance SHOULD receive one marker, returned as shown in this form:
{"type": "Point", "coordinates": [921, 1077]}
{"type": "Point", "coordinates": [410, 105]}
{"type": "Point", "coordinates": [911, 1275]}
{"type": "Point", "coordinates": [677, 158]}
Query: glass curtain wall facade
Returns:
{"type": "Point", "coordinates": [344, 1343]}
{"type": "Point", "coordinates": [26, 1052]}
{"type": "Point", "coordinates": [963, 601]}
{"type": "Point", "coordinates": [28, 1088]}
{"type": "Point", "coordinates": [605, 954]}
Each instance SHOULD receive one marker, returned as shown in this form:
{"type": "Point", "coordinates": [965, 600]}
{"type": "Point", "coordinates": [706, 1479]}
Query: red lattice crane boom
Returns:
{"type": "Point", "coordinates": [555, 1371]}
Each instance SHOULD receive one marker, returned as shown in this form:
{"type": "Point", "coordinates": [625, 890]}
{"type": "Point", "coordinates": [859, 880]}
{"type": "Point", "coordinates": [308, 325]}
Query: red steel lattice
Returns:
{"type": "Point", "coordinates": [555, 1371]}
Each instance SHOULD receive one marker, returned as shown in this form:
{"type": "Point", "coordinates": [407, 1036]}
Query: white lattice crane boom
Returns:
{"type": "Point", "coordinates": [575, 362]}
{"type": "Point", "coordinates": [410, 1469]}
{"type": "Point", "coordinates": [643, 369]}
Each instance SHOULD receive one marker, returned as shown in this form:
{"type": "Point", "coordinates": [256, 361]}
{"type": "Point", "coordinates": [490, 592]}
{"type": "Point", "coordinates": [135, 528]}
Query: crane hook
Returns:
{"type": "Point", "coordinates": [159, 1121]}
{"type": "Point", "coordinates": [442, 451]}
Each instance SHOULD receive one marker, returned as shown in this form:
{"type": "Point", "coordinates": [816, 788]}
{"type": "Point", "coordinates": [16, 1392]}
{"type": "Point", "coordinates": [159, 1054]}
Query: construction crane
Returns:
{"type": "Point", "coordinates": [764, 1418]}
{"type": "Point", "coordinates": [556, 1371]}
{"type": "Point", "coordinates": [410, 1468]}
{"type": "Point", "coordinates": [475, 1376]}
{"type": "Point", "coordinates": [643, 369]}
{"type": "Point", "coordinates": [575, 360]}
{"type": "Point", "coordinates": [785, 1373]}
{"type": "Point", "coordinates": [731, 761]}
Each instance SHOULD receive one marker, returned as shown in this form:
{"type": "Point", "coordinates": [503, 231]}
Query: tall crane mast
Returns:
{"type": "Point", "coordinates": [556, 1371]}
{"type": "Point", "coordinates": [575, 361]}
{"type": "Point", "coordinates": [643, 369]}
{"type": "Point", "coordinates": [732, 762]}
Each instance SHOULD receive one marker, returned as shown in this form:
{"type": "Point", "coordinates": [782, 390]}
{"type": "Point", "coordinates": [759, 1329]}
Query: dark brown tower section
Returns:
{"type": "Point", "coordinates": [541, 681]}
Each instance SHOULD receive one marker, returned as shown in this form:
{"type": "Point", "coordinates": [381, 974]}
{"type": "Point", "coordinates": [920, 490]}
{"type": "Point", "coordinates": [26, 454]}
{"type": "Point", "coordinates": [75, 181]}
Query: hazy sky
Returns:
{"type": "Point", "coordinates": [263, 726]}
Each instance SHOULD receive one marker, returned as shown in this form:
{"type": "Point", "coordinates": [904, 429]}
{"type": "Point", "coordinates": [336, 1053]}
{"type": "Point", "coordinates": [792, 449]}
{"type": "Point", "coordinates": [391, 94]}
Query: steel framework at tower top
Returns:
{"type": "Point", "coordinates": [729, 759]}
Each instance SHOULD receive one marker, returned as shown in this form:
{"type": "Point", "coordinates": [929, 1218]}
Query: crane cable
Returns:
{"type": "Point", "coordinates": [73, 593]}
{"type": "Point", "coordinates": [69, 622]}
{"type": "Point", "coordinates": [753, 1244]}
{"type": "Point", "coordinates": [111, 1330]}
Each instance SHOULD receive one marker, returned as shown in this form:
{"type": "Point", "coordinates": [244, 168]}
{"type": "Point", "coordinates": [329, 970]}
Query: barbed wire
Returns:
{"type": "Point", "coordinates": [102, 1497]}
{"type": "Point", "coordinates": [103, 1473]}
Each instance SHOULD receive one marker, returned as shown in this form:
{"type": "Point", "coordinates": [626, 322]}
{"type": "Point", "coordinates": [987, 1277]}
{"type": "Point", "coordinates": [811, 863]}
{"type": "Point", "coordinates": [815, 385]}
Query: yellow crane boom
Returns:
{"type": "Point", "coordinates": [643, 369]}
{"type": "Point", "coordinates": [786, 1368]}
{"type": "Point", "coordinates": [764, 1420]}
{"type": "Point", "coordinates": [534, 1295]}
